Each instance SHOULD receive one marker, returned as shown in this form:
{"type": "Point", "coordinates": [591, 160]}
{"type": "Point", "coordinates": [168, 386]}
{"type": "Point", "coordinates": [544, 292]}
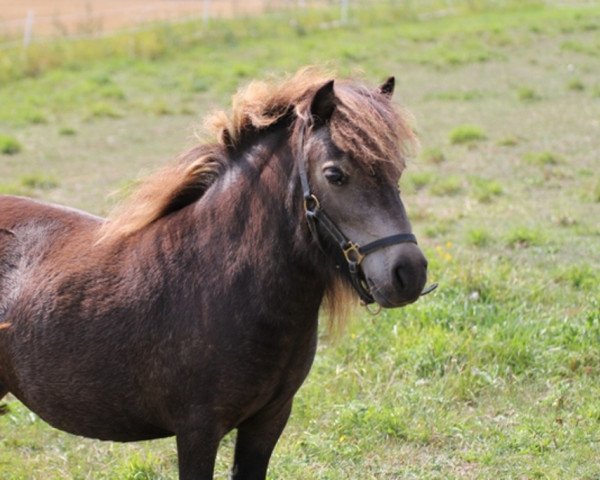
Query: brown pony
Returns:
{"type": "Point", "coordinates": [193, 310]}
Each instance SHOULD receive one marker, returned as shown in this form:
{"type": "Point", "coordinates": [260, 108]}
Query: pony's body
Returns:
{"type": "Point", "coordinates": [201, 321]}
{"type": "Point", "coordinates": [143, 322]}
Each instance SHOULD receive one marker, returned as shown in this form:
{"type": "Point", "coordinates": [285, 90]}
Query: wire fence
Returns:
{"type": "Point", "coordinates": [27, 21]}
{"type": "Point", "coordinates": [38, 20]}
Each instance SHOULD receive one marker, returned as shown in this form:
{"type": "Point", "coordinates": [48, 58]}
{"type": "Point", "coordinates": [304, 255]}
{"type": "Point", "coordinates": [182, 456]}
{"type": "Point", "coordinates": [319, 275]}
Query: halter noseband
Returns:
{"type": "Point", "coordinates": [352, 251]}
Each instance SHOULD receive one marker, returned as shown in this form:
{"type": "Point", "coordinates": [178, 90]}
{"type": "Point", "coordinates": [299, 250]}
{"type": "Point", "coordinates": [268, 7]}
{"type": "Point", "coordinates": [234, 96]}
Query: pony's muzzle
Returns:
{"type": "Point", "coordinates": [405, 279]}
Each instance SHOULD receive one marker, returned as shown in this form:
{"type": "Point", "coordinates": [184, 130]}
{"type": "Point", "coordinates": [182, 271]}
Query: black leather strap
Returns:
{"type": "Point", "coordinates": [330, 228]}
{"type": "Point", "coordinates": [386, 241]}
{"type": "Point", "coordinates": [302, 161]}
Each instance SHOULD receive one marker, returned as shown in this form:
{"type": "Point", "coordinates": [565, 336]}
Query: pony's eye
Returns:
{"type": "Point", "coordinates": [335, 176]}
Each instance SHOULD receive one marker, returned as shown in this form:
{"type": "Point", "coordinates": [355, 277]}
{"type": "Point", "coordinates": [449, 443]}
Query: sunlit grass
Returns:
{"type": "Point", "coordinates": [466, 134]}
{"type": "Point", "coordinates": [9, 145]}
{"type": "Point", "coordinates": [433, 155]}
{"type": "Point", "coordinates": [543, 158]}
{"type": "Point", "coordinates": [527, 94]}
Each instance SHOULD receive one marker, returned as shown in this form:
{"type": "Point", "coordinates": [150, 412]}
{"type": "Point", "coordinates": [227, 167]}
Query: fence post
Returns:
{"type": "Point", "coordinates": [206, 11]}
{"type": "Point", "coordinates": [28, 30]}
{"type": "Point", "coordinates": [344, 9]}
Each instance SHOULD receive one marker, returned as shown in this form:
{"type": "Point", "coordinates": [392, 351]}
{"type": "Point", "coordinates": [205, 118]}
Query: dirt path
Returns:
{"type": "Point", "coordinates": [72, 17]}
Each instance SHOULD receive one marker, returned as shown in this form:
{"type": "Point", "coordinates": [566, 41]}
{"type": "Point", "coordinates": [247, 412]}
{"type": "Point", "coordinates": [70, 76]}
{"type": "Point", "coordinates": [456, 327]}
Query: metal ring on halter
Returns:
{"type": "Point", "coordinates": [372, 312]}
{"type": "Point", "coordinates": [311, 203]}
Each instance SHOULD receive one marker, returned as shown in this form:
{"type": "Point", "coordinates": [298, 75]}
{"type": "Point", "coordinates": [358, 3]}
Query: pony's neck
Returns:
{"type": "Point", "coordinates": [251, 220]}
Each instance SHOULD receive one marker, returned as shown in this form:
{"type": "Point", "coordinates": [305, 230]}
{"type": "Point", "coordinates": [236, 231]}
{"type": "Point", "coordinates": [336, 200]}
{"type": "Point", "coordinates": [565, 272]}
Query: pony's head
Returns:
{"type": "Point", "coordinates": [351, 148]}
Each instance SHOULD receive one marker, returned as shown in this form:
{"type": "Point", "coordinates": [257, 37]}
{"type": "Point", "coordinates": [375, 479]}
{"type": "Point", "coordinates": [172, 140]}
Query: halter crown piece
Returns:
{"type": "Point", "coordinates": [352, 252]}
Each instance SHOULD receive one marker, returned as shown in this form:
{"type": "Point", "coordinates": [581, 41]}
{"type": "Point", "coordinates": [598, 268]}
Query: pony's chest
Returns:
{"type": "Point", "coordinates": [242, 377]}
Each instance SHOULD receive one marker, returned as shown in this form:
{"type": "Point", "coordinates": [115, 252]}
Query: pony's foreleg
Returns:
{"type": "Point", "coordinates": [196, 453]}
{"type": "Point", "coordinates": [256, 439]}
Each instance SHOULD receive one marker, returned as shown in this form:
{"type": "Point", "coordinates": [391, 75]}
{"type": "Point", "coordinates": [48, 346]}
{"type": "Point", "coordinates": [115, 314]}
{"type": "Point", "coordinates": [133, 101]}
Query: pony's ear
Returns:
{"type": "Point", "coordinates": [323, 104]}
{"type": "Point", "coordinates": [387, 88]}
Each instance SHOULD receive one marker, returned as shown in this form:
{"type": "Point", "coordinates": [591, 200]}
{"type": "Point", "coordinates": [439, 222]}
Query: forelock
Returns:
{"type": "Point", "coordinates": [368, 127]}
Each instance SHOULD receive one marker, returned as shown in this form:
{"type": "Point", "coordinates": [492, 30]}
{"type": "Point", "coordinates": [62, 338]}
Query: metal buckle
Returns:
{"type": "Point", "coordinates": [315, 204]}
{"type": "Point", "coordinates": [352, 253]}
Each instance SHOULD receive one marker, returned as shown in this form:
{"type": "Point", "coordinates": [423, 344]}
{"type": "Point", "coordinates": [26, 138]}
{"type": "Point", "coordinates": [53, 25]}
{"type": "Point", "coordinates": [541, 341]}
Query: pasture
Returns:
{"type": "Point", "coordinates": [497, 373]}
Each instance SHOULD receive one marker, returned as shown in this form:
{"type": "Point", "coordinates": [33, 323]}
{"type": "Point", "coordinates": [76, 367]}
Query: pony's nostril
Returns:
{"type": "Point", "coordinates": [399, 279]}
{"type": "Point", "coordinates": [410, 276]}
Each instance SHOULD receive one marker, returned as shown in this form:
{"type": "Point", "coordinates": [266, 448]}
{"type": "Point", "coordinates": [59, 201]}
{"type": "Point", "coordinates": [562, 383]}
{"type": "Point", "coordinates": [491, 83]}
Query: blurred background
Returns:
{"type": "Point", "coordinates": [50, 18]}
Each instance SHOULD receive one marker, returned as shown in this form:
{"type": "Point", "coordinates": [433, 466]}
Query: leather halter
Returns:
{"type": "Point", "coordinates": [353, 253]}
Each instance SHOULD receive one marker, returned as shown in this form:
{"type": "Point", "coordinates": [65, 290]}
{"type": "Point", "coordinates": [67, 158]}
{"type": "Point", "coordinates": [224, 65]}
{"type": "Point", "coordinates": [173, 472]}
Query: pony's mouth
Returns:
{"type": "Point", "coordinates": [381, 298]}
{"type": "Point", "coordinates": [384, 302]}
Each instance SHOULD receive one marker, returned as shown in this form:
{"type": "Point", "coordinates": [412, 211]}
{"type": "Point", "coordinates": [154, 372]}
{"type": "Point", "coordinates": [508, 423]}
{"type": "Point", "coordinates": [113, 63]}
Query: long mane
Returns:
{"type": "Point", "coordinates": [365, 125]}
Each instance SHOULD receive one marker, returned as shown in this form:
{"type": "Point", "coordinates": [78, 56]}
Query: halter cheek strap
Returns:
{"type": "Point", "coordinates": [353, 253]}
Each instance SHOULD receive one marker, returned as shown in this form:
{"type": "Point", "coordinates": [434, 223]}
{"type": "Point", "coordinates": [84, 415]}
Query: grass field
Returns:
{"type": "Point", "coordinates": [497, 374]}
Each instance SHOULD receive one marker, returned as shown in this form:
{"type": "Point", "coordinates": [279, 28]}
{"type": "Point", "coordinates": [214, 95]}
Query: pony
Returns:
{"type": "Point", "coordinates": [192, 310]}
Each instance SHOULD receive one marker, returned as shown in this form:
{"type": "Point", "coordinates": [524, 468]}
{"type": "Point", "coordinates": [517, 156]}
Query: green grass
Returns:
{"type": "Point", "coordinates": [508, 141]}
{"type": "Point", "coordinates": [447, 186]}
{"type": "Point", "coordinates": [67, 131]}
{"type": "Point", "coordinates": [103, 110]}
{"type": "Point", "coordinates": [527, 94]}
{"type": "Point", "coordinates": [543, 158]}
{"type": "Point", "coordinates": [523, 237]}
{"type": "Point", "coordinates": [485, 190]}
{"type": "Point", "coordinates": [494, 375]}
{"type": "Point", "coordinates": [575, 85]}
{"type": "Point", "coordinates": [479, 237]}
{"type": "Point", "coordinates": [466, 134]}
{"type": "Point", "coordinates": [458, 96]}
{"type": "Point", "coordinates": [29, 184]}
{"type": "Point", "coordinates": [139, 469]}
{"type": "Point", "coordinates": [38, 180]}
{"type": "Point", "coordinates": [9, 145]}
{"type": "Point", "coordinates": [13, 189]}
{"type": "Point", "coordinates": [418, 180]}
{"type": "Point", "coordinates": [433, 155]}
{"type": "Point", "coordinates": [438, 229]}
{"type": "Point", "coordinates": [582, 277]}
